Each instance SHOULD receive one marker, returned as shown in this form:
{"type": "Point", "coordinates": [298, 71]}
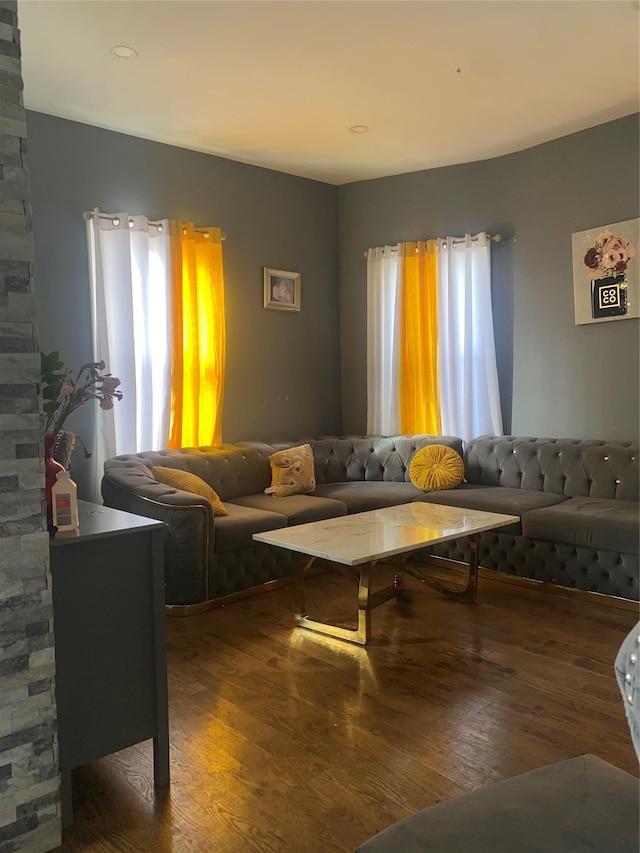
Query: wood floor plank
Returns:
{"type": "Point", "coordinates": [286, 741]}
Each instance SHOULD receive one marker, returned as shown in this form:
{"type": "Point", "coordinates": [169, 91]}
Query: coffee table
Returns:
{"type": "Point", "coordinates": [363, 539]}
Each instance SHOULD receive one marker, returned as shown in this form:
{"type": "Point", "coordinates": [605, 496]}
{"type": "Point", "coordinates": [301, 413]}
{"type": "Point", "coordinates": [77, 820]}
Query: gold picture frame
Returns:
{"type": "Point", "coordinates": [281, 290]}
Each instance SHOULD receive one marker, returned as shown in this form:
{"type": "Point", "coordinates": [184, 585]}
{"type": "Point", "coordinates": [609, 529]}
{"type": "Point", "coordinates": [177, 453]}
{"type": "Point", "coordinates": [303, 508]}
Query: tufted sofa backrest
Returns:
{"type": "Point", "coordinates": [565, 466]}
{"type": "Point", "coordinates": [231, 470]}
{"type": "Point", "coordinates": [340, 459]}
{"type": "Point", "coordinates": [235, 470]}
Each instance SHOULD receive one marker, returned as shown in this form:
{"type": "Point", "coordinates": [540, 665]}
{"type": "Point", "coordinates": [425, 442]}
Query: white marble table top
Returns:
{"type": "Point", "coordinates": [365, 536]}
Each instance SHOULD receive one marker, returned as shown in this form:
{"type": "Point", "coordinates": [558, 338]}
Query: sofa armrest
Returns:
{"type": "Point", "coordinates": [627, 671]}
{"type": "Point", "coordinates": [190, 535]}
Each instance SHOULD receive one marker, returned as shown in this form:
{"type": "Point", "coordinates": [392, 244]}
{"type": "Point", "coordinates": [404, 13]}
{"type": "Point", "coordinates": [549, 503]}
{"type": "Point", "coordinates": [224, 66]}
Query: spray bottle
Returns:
{"type": "Point", "coordinates": [64, 498]}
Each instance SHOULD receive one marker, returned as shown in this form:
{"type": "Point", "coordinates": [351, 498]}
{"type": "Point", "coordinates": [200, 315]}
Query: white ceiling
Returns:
{"type": "Point", "coordinates": [278, 84]}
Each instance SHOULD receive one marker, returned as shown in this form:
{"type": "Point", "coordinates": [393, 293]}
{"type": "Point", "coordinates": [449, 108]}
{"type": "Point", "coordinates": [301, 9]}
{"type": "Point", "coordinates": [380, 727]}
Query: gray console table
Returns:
{"type": "Point", "coordinates": [111, 670]}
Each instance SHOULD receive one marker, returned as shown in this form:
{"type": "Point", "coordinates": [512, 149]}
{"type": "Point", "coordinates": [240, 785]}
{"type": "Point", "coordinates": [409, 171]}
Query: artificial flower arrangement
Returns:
{"type": "Point", "coordinates": [609, 257]}
{"type": "Point", "coordinates": [62, 393]}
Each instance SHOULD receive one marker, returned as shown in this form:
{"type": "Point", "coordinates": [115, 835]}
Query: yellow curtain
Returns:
{"type": "Point", "coordinates": [418, 387]}
{"type": "Point", "coordinates": [198, 335]}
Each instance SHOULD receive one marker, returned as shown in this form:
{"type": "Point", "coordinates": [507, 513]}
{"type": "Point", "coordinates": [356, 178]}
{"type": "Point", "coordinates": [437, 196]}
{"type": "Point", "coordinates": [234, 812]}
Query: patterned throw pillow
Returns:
{"type": "Point", "coordinates": [292, 472]}
{"type": "Point", "coordinates": [187, 482]}
{"type": "Point", "coordinates": [436, 467]}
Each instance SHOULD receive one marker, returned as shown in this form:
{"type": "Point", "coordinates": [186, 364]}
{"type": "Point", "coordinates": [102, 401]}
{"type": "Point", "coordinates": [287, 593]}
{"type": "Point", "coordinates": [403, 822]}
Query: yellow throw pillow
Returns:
{"type": "Point", "coordinates": [187, 482]}
{"type": "Point", "coordinates": [292, 472]}
{"type": "Point", "coordinates": [435, 467]}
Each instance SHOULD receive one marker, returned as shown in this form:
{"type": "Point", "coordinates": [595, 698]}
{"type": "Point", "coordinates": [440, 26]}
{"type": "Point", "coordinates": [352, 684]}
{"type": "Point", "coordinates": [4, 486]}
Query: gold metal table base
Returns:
{"type": "Point", "coordinates": [368, 601]}
{"type": "Point", "coordinates": [470, 589]}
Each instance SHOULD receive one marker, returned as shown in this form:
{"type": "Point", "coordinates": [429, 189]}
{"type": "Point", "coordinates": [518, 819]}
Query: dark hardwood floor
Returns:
{"type": "Point", "coordinates": [282, 740]}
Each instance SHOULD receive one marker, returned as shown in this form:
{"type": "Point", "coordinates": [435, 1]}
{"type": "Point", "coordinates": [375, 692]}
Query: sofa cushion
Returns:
{"type": "Point", "coordinates": [612, 525]}
{"type": "Point", "coordinates": [372, 494]}
{"type": "Point", "coordinates": [297, 509]}
{"type": "Point", "coordinates": [187, 482]}
{"type": "Point", "coordinates": [582, 805]}
{"type": "Point", "coordinates": [436, 467]}
{"type": "Point", "coordinates": [235, 530]}
{"type": "Point", "coordinates": [292, 472]}
{"type": "Point", "coordinates": [495, 499]}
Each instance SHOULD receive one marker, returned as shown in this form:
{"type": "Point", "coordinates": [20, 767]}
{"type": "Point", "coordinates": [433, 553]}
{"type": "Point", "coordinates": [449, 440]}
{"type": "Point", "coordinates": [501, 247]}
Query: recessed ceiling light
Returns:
{"type": "Point", "coordinates": [123, 52]}
{"type": "Point", "coordinates": [358, 128]}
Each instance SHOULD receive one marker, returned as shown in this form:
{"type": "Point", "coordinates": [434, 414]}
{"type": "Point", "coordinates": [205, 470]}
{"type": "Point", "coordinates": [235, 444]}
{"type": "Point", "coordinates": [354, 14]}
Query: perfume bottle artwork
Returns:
{"type": "Point", "coordinates": [607, 262]}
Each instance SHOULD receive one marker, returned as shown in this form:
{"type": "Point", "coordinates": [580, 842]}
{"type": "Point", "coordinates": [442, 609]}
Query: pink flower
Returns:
{"type": "Point", "coordinates": [616, 251]}
{"type": "Point", "coordinates": [63, 392]}
{"type": "Point", "coordinates": [615, 244]}
{"type": "Point", "coordinates": [610, 255]}
{"type": "Point", "coordinates": [109, 385]}
{"type": "Point", "coordinates": [610, 259]}
{"type": "Point", "coordinates": [592, 259]}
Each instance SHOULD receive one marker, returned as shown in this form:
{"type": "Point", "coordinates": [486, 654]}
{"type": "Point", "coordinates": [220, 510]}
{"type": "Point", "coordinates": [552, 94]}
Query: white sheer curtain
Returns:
{"type": "Point", "coordinates": [129, 263]}
{"type": "Point", "coordinates": [469, 394]}
{"type": "Point", "coordinates": [383, 416]}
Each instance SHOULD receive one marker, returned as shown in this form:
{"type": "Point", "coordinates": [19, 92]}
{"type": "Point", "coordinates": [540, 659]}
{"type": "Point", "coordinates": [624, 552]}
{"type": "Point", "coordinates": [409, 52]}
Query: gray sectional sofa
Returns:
{"type": "Point", "coordinates": [209, 558]}
{"type": "Point", "coordinates": [577, 502]}
{"type": "Point", "coordinates": [578, 507]}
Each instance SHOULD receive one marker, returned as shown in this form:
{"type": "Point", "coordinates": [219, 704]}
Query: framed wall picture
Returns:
{"type": "Point", "coordinates": [606, 272]}
{"type": "Point", "coordinates": [281, 290]}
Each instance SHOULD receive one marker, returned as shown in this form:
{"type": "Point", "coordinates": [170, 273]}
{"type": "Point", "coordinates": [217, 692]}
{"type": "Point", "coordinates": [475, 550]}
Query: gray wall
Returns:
{"type": "Point", "coordinates": [556, 378]}
{"type": "Point", "coordinates": [283, 368]}
{"type": "Point", "coordinates": [303, 373]}
{"type": "Point", "coordinates": [29, 779]}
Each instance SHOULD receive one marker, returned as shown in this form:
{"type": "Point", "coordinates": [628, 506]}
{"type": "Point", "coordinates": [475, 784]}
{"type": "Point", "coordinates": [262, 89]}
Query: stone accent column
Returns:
{"type": "Point", "coordinates": [29, 779]}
